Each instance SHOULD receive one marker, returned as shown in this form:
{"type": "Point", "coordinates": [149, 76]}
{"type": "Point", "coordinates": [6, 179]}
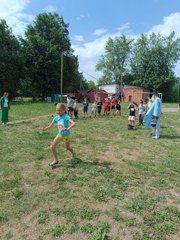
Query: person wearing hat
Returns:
{"type": "Point", "coordinates": [152, 117]}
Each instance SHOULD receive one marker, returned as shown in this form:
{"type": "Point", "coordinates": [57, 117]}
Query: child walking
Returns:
{"type": "Point", "coordinates": [64, 123]}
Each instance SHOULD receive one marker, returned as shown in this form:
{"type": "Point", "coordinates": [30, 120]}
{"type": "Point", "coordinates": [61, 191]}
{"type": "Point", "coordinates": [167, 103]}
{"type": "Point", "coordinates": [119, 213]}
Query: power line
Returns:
{"type": "Point", "coordinates": [88, 74]}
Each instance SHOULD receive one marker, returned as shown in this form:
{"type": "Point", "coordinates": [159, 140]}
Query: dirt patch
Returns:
{"type": "Point", "coordinates": [120, 156]}
{"type": "Point", "coordinates": [175, 237]}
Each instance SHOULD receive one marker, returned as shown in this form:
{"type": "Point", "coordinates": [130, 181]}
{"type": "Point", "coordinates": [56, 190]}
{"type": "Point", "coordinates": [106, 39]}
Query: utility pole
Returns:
{"type": "Point", "coordinates": [121, 86]}
{"type": "Point", "coordinates": [61, 84]}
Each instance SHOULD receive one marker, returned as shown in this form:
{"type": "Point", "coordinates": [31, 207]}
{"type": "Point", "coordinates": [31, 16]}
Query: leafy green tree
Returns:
{"type": "Point", "coordinates": [43, 45]}
{"type": "Point", "coordinates": [11, 64]}
{"type": "Point", "coordinates": [114, 62]}
{"type": "Point", "coordinates": [73, 79]}
{"type": "Point", "coordinates": [91, 85]}
{"type": "Point", "coordinates": [103, 81]}
{"type": "Point", "coordinates": [174, 94]}
{"type": "Point", "coordinates": [153, 61]}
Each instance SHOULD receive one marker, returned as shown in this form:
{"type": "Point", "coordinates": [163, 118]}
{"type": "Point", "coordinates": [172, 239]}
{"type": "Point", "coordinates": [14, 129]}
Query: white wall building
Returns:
{"type": "Point", "coordinates": [111, 89]}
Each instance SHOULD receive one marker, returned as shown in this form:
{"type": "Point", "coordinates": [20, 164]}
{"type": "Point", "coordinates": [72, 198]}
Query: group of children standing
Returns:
{"type": "Point", "coordinates": [111, 106]}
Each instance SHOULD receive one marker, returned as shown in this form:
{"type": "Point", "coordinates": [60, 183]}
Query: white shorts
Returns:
{"type": "Point", "coordinates": [131, 118]}
{"type": "Point", "coordinates": [93, 111]}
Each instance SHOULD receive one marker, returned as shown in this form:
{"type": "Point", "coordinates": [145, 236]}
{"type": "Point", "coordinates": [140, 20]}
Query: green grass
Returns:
{"type": "Point", "coordinates": [121, 185]}
{"type": "Point", "coordinates": [171, 105]}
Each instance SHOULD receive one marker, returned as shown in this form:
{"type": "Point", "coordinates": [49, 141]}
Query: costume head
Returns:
{"type": "Point", "coordinates": [155, 94]}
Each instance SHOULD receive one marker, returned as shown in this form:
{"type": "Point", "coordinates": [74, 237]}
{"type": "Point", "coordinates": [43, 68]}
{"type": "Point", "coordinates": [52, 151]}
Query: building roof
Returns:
{"type": "Point", "coordinates": [101, 91]}
{"type": "Point", "coordinates": [97, 91]}
{"type": "Point", "coordinates": [109, 84]}
{"type": "Point", "coordinates": [124, 86]}
{"type": "Point", "coordinates": [131, 86]}
{"type": "Point", "coordinates": [83, 92]}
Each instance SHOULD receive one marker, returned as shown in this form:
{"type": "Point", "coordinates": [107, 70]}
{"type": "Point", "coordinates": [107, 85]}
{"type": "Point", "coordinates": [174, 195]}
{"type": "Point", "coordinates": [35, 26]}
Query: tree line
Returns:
{"type": "Point", "coordinates": [147, 62]}
{"type": "Point", "coordinates": [31, 65]}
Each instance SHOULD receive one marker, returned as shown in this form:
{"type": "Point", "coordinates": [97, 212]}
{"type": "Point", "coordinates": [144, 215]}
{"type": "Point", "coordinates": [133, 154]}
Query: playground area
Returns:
{"type": "Point", "coordinates": [122, 185]}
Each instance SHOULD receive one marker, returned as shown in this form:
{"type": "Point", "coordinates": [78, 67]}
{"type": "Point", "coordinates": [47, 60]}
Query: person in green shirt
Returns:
{"type": "Point", "coordinates": [4, 103]}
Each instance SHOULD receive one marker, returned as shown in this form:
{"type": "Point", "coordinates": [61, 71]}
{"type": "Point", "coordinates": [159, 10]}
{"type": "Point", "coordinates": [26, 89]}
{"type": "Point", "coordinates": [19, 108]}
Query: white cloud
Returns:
{"type": "Point", "coordinates": [90, 52]}
{"type": "Point", "coordinates": [99, 32]}
{"type": "Point", "coordinates": [124, 28]}
{"type": "Point", "coordinates": [170, 23]}
{"type": "Point", "coordinates": [13, 12]}
{"type": "Point", "coordinates": [79, 38]}
{"type": "Point", "coordinates": [80, 17]}
{"type": "Point", "coordinates": [50, 8]}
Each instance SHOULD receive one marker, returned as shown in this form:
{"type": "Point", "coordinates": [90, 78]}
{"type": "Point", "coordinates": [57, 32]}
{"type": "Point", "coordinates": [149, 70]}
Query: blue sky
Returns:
{"type": "Point", "coordinates": [92, 22]}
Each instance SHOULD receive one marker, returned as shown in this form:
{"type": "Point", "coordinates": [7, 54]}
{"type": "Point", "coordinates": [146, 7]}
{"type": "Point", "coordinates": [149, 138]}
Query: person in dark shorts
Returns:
{"type": "Point", "coordinates": [85, 107]}
{"type": "Point", "coordinates": [75, 108]}
{"type": "Point", "coordinates": [99, 106]}
{"type": "Point", "coordinates": [70, 103]}
{"type": "Point", "coordinates": [141, 112]}
{"type": "Point", "coordinates": [118, 106]}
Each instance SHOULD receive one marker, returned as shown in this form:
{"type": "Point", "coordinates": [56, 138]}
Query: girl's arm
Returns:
{"type": "Point", "coordinates": [72, 124]}
{"type": "Point", "coordinates": [48, 127]}
{"type": "Point", "coordinates": [135, 106]}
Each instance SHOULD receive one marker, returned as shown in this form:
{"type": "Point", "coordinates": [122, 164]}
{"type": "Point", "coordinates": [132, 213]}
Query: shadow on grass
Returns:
{"type": "Point", "coordinates": [170, 136]}
{"type": "Point", "coordinates": [76, 162]}
{"type": "Point", "coordinates": [169, 126]}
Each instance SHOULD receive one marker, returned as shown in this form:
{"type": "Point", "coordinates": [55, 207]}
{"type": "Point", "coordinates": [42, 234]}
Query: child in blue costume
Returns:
{"type": "Point", "coordinates": [62, 119]}
{"type": "Point", "coordinates": [152, 117]}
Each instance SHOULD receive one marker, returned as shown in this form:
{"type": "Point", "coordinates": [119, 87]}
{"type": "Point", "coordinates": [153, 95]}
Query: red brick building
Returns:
{"type": "Point", "coordinates": [95, 94]}
{"type": "Point", "coordinates": [135, 93]}
{"type": "Point", "coordinates": [78, 94]}
{"type": "Point", "coordinates": [129, 92]}
{"type": "Point", "coordinates": [91, 95]}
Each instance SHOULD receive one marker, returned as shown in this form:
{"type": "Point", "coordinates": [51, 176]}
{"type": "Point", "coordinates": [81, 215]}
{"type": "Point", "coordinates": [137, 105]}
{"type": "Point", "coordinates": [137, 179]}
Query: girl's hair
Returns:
{"type": "Point", "coordinates": [61, 106]}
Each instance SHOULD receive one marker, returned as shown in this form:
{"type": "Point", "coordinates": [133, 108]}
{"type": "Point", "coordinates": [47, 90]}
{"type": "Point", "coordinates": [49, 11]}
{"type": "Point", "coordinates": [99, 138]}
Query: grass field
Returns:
{"type": "Point", "coordinates": [121, 186]}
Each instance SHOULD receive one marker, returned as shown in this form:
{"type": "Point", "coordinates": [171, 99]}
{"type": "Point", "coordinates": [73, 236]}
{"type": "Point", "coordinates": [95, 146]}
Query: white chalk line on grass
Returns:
{"type": "Point", "coordinates": [26, 120]}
